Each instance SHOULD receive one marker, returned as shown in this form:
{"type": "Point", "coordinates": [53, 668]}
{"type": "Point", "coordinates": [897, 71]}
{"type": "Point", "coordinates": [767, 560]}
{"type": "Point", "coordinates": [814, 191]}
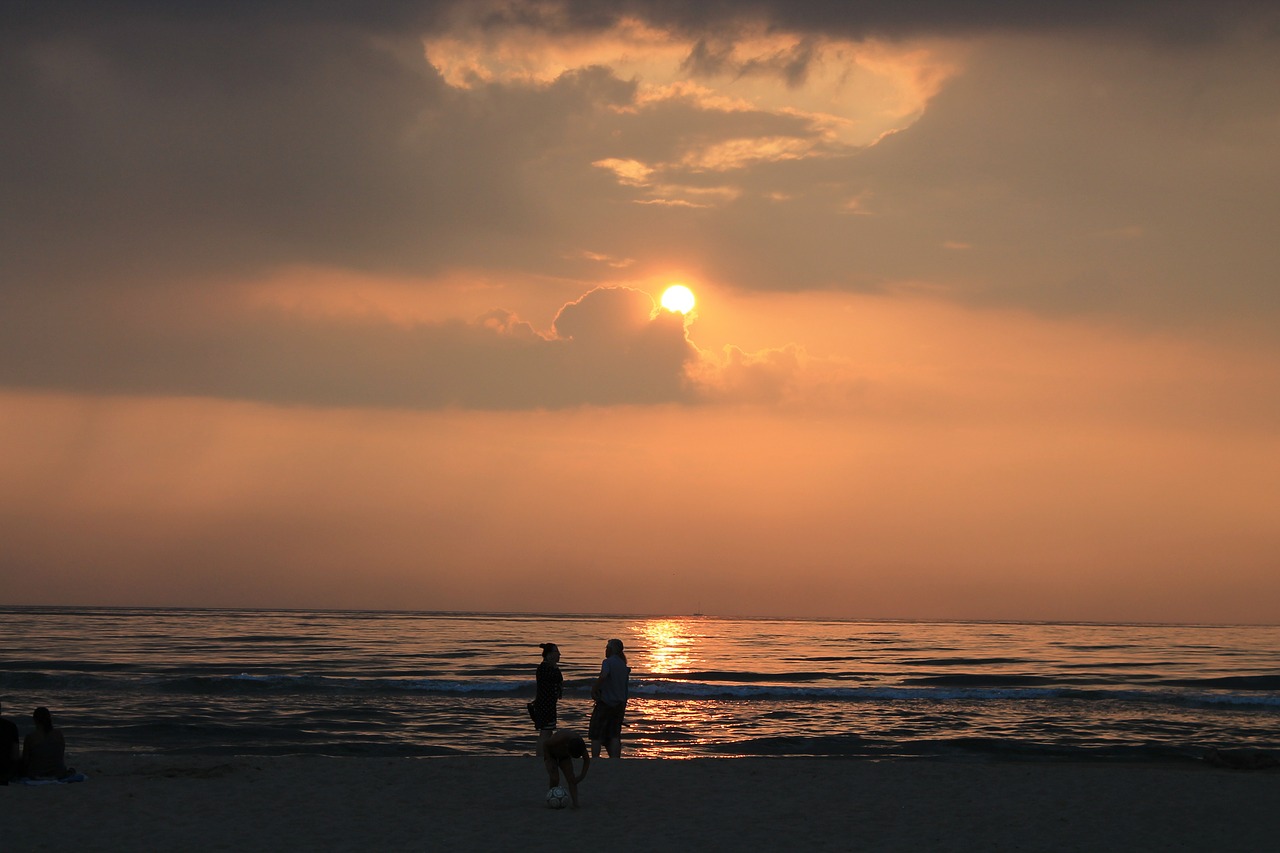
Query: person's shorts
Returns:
{"type": "Point", "coordinates": [606, 721]}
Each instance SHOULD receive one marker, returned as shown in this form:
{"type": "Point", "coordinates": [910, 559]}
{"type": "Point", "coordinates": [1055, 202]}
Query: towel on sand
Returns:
{"type": "Point", "coordinates": [73, 777]}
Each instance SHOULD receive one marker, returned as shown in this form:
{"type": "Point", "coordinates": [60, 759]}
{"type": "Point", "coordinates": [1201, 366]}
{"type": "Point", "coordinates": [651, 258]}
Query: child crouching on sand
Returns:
{"type": "Point", "coordinates": [558, 752]}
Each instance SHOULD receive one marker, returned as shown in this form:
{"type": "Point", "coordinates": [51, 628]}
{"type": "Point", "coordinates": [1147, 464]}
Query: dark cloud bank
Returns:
{"type": "Point", "coordinates": [142, 140]}
{"type": "Point", "coordinates": [845, 17]}
{"type": "Point", "coordinates": [608, 348]}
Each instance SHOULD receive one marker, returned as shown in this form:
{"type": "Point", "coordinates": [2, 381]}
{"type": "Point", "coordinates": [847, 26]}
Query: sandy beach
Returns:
{"type": "Point", "coordinates": [320, 803]}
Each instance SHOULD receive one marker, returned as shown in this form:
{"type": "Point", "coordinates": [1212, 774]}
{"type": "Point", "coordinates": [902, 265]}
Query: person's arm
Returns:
{"type": "Point", "coordinates": [540, 684]}
{"type": "Point", "coordinates": [586, 762]}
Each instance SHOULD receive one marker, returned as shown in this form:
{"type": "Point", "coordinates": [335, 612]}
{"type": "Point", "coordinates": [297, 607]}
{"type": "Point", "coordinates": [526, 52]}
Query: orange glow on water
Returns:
{"type": "Point", "coordinates": [669, 646]}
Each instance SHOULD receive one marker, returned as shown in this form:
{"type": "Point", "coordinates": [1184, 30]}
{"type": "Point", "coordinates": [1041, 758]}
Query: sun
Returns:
{"type": "Point", "coordinates": [678, 299]}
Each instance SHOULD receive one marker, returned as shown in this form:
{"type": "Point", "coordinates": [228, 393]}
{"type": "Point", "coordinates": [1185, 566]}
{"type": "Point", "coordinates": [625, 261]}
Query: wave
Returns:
{"type": "Point", "coordinates": [49, 682]}
{"type": "Point", "coordinates": [1230, 682]}
{"type": "Point", "coordinates": [973, 690]}
{"type": "Point", "coordinates": [1117, 664]}
{"type": "Point", "coordinates": [1242, 692]}
{"type": "Point", "coordinates": [47, 666]}
{"type": "Point", "coordinates": [747, 677]}
{"type": "Point", "coordinates": [963, 661]}
{"type": "Point", "coordinates": [988, 680]}
{"type": "Point", "coordinates": [330, 684]}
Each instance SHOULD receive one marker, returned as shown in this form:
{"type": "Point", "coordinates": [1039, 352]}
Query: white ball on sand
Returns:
{"type": "Point", "coordinates": [557, 798]}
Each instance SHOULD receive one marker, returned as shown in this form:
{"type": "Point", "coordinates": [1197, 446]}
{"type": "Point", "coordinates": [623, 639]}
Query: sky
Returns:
{"type": "Point", "coordinates": [359, 305]}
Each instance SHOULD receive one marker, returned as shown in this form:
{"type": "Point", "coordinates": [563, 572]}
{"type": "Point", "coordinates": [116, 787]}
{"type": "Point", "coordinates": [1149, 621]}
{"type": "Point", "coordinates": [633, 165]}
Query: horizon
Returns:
{"type": "Point", "coordinates": [671, 617]}
{"type": "Point", "coordinates": [515, 306]}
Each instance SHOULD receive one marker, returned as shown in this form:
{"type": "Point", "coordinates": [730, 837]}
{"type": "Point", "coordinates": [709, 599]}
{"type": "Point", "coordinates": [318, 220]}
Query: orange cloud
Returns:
{"type": "Point", "coordinates": [859, 90]}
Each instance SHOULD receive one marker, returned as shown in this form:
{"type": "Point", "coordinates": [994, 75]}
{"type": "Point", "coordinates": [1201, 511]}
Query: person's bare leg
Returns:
{"type": "Point", "coordinates": [553, 772]}
{"type": "Point", "coordinates": [567, 766]}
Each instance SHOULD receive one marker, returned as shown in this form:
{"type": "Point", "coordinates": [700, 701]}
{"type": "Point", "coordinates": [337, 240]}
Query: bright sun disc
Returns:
{"type": "Point", "coordinates": [678, 298]}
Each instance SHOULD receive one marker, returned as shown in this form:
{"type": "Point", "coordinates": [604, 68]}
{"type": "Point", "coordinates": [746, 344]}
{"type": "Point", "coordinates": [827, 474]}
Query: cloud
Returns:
{"type": "Point", "coordinates": [160, 144]}
{"type": "Point", "coordinates": [1180, 20]}
{"type": "Point", "coordinates": [1085, 179]}
{"type": "Point", "coordinates": [152, 147]}
{"type": "Point", "coordinates": [611, 347]}
{"type": "Point", "coordinates": [157, 148]}
{"type": "Point", "coordinates": [625, 350]}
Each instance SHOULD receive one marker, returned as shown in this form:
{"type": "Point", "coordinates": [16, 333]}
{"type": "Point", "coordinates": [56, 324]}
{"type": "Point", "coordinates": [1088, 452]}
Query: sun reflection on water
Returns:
{"type": "Point", "coordinates": [670, 646]}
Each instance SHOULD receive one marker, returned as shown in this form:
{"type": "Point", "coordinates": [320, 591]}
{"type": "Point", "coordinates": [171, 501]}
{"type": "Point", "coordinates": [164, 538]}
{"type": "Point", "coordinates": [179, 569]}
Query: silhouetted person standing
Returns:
{"type": "Point", "coordinates": [550, 687]}
{"type": "Point", "coordinates": [610, 695]}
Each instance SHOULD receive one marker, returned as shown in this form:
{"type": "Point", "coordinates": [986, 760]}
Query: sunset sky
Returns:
{"type": "Point", "coordinates": [357, 305]}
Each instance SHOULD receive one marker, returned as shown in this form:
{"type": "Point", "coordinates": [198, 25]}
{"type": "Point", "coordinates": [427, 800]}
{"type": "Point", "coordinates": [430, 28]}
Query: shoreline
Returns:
{"type": "Point", "coordinates": [250, 803]}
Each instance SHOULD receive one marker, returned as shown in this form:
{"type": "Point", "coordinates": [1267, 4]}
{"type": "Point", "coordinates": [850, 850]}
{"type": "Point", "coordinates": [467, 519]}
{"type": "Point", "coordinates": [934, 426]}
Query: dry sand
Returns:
{"type": "Point", "coordinates": [315, 803]}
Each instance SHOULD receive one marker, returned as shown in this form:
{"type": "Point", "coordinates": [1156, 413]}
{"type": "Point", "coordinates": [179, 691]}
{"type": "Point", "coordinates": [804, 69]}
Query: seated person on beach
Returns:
{"type": "Point", "coordinates": [44, 750]}
{"type": "Point", "coordinates": [559, 750]}
{"type": "Point", "coordinates": [10, 755]}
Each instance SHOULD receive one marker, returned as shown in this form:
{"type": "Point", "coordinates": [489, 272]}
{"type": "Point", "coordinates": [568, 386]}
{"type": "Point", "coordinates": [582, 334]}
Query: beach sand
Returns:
{"type": "Point", "coordinates": [317, 803]}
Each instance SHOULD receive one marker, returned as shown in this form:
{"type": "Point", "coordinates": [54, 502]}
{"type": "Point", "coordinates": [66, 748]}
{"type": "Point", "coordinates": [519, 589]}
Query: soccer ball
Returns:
{"type": "Point", "coordinates": [557, 798]}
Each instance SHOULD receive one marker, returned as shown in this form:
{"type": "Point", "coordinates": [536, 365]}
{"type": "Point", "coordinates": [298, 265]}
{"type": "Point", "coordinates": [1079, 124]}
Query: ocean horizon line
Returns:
{"type": "Point", "coordinates": [534, 614]}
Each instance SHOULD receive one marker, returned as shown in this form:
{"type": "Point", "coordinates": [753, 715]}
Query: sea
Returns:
{"type": "Point", "coordinates": [287, 682]}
